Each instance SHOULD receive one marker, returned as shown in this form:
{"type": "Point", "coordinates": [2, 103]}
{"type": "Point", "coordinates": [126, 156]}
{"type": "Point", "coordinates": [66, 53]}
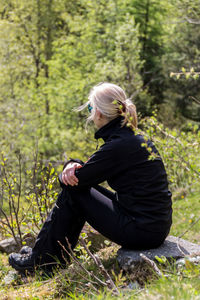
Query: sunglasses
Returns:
{"type": "Point", "coordinates": [89, 108]}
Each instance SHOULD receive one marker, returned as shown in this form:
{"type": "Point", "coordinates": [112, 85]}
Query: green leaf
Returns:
{"type": "Point", "coordinates": [183, 69]}
{"type": "Point", "coordinates": [161, 259]}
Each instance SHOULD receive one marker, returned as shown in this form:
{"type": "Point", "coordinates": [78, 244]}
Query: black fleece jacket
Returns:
{"type": "Point", "coordinates": [141, 184]}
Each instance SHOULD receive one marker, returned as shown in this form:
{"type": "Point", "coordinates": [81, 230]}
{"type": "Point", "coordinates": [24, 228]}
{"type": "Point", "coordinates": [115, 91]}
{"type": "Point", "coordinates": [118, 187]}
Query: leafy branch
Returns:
{"type": "Point", "coordinates": [186, 74]}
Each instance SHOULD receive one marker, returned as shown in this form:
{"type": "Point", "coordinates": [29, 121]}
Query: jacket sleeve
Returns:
{"type": "Point", "coordinates": [100, 166]}
{"type": "Point", "coordinates": [73, 160]}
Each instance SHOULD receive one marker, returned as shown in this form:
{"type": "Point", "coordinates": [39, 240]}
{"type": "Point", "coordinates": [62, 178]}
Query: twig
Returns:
{"type": "Point", "coordinates": [192, 21]}
{"type": "Point", "coordinates": [89, 284]}
{"type": "Point", "coordinates": [35, 189]}
{"type": "Point", "coordinates": [198, 219]}
{"type": "Point", "coordinates": [179, 248]}
{"type": "Point", "coordinates": [71, 254]}
{"type": "Point", "coordinates": [88, 251]}
{"type": "Point", "coordinates": [16, 209]}
{"type": "Point", "coordinates": [182, 234]}
{"type": "Point", "coordinates": [196, 100]}
{"type": "Point", "coordinates": [89, 280]}
{"type": "Point", "coordinates": [152, 264]}
{"type": "Point", "coordinates": [98, 262]}
{"type": "Point", "coordinates": [166, 133]}
{"type": "Point", "coordinates": [188, 165]}
{"type": "Point", "coordinates": [109, 280]}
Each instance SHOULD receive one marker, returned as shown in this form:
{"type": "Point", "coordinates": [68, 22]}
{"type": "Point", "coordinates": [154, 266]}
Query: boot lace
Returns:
{"type": "Point", "coordinates": [25, 256]}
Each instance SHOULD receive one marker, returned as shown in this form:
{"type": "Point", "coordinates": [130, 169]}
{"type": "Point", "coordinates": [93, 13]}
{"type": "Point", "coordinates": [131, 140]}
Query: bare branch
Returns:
{"type": "Point", "coordinates": [196, 100]}
{"type": "Point", "coordinates": [152, 264]}
{"type": "Point", "coordinates": [71, 254]}
{"type": "Point", "coordinates": [192, 21]}
{"type": "Point", "coordinates": [98, 262]}
{"type": "Point", "coordinates": [197, 220]}
{"type": "Point", "coordinates": [167, 134]}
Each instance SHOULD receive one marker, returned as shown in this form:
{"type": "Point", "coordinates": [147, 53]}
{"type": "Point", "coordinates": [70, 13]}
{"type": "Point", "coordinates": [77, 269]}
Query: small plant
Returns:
{"type": "Point", "coordinates": [11, 191]}
{"type": "Point", "coordinates": [179, 150]}
{"type": "Point", "coordinates": [24, 210]}
{"type": "Point", "coordinates": [80, 251]}
{"type": "Point", "coordinates": [91, 281]}
{"type": "Point", "coordinates": [43, 193]}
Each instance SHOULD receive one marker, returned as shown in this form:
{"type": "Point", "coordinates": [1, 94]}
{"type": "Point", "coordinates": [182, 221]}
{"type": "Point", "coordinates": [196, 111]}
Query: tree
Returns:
{"type": "Point", "coordinates": [184, 49]}
{"type": "Point", "coordinates": [107, 49]}
{"type": "Point", "coordinates": [29, 28]}
{"type": "Point", "coordinates": [151, 16]}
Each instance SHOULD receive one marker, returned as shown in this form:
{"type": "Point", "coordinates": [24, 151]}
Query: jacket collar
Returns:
{"type": "Point", "coordinates": [107, 130]}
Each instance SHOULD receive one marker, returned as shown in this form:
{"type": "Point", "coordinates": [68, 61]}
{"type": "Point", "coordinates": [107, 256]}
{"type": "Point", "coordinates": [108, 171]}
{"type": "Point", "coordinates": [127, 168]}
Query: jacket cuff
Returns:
{"type": "Point", "coordinates": [73, 160]}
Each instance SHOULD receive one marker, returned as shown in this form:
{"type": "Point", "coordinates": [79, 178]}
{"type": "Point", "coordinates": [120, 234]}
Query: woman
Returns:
{"type": "Point", "coordinates": [137, 216]}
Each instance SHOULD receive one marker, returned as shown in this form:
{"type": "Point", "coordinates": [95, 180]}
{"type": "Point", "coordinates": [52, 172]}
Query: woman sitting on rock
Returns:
{"type": "Point", "coordinates": [138, 215]}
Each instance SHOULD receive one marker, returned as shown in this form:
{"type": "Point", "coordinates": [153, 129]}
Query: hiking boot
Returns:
{"type": "Point", "coordinates": [22, 262]}
{"type": "Point", "coordinates": [25, 250]}
{"type": "Point", "coordinates": [29, 262]}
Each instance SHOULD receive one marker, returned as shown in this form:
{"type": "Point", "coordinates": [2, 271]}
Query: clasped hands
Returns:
{"type": "Point", "coordinates": [68, 174]}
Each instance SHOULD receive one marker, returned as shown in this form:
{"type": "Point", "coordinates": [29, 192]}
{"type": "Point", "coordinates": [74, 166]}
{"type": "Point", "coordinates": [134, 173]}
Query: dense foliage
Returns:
{"type": "Point", "coordinates": [53, 52]}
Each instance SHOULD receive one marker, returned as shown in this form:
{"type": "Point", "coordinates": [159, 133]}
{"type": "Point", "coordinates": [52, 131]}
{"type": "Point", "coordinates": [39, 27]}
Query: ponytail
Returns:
{"type": "Point", "coordinates": [129, 113]}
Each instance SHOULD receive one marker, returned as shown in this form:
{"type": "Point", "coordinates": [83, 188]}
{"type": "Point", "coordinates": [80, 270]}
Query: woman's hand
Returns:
{"type": "Point", "coordinates": [68, 174]}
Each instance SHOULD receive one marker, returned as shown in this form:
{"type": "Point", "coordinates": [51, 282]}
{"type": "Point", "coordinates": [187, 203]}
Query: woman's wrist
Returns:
{"type": "Point", "coordinates": [73, 161]}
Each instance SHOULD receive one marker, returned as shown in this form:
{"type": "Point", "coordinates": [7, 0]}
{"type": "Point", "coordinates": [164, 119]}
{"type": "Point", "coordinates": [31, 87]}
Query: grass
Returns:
{"type": "Point", "coordinates": [185, 213]}
{"type": "Point", "coordinates": [178, 284]}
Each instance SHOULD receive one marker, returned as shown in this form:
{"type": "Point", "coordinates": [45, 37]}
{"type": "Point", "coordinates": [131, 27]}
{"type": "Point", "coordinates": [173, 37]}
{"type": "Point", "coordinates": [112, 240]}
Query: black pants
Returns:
{"type": "Point", "coordinates": [97, 206]}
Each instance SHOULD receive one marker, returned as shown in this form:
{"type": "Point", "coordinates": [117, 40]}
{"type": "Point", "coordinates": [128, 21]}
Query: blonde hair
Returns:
{"type": "Point", "coordinates": [111, 101]}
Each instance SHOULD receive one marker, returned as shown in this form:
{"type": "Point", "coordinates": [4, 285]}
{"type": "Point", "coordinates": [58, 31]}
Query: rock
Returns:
{"type": "Point", "coordinates": [194, 260]}
{"type": "Point", "coordinates": [11, 277]}
{"type": "Point", "coordinates": [172, 248]}
{"type": "Point", "coordinates": [133, 285]}
{"type": "Point", "coordinates": [9, 245]}
{"type": "Point", "coordinates": [29, 238]}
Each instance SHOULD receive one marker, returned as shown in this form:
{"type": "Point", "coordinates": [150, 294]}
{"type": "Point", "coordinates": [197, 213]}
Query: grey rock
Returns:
{"type": "Point", "coordinates": [182, 261]}
{"type": "Point", "coordinates": [172, 248]}
{"type": "Point", "coordinates": [133, 285]}
{"type": "Point", "coordinates": [29, 239]}
{"type": "Point", "coordinates": [12, 276]}
{"type": "Point", "coordinates": [9, 245]}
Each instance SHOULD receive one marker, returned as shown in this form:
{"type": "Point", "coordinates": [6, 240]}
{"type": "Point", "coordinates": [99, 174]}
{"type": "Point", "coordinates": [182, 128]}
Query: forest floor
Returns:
{"type": "Point", "coordinates": [182, 283]}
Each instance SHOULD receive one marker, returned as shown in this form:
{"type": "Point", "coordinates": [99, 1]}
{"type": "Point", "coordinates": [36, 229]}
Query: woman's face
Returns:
{"type": "Point", "coordinates": [98, 119]}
